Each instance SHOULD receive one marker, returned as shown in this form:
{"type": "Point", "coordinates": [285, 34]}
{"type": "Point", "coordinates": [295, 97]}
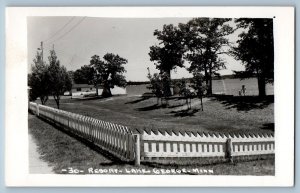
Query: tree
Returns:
{"type": "Point", "coordinates": [185, 92]}
{"type": "Point", "coordinates": [38, 80]}
{"type": "Point", "coordinates": [59, 79]}
{"type": "Point", "coordinates": [166, 85]}
{"type": "Point", "coordinates": [169, 53]}
{"type": "Point", "coordinates": [84, 75]}
{"type": "Point", "coordinates": [205, 39]}
{"type": "Point", "coordinates": [197, 84]}
{"type": "Point", "coordinates": [71, 75]}
{"type": "Point", "coordinates": [108, 72]}
{"type": "Point", "coordinates": [156, 86]}
{"type": "Point", "coordinates": [159, 85]}
{"type": "Point", "coordinates": [255, 48]}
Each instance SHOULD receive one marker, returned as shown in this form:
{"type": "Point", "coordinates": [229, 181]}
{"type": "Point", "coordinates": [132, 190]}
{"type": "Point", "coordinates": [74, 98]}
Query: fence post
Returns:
{"type": "Point", "coordinates": [37, 109]}
{"type": "Point", "coordinates": [68, 116]}
{"type": "Point", "coordinates": [137, 151]}
{"type": "Point", "coordinates": [229, 150]}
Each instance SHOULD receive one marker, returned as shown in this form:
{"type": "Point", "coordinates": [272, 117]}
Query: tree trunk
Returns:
{"type": "Point", "coordinates": [158, 101]}
{"type": "Point", "coordinates": [201, 103]}
{"type": "Point", "coordinates": [168, 89]}
{"type": "Point", "coordinates": [57, 103]}
{"type": "Point", "coordinates": [261, 86]}
{"type": "Point", "coordinates": [169, 74]}
{"type": "Point", "coordinates": [206, 77]}
{"type": "Point", "coordinates": [167, 101]}
{"type": "Point", "coordinates": [57, 98]}
{"type": "Point", "coordinates": [106, 91]}
{"type": "Point", "coordinates": [187, 103]}
{"type": "Point", "coordinates": [209, 88]}
{"type": "Point", "coordinates": [43, 99]}
{"type": "Point", "coordinates": [96, 86]}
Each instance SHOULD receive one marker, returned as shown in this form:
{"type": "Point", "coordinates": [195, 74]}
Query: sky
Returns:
{"type": "Point", "coordinates": [76, 39]}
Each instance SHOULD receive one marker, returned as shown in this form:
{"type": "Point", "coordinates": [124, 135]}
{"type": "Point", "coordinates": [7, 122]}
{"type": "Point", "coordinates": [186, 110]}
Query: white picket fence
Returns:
{"type": "Point", "coordinates": [145, 145]}
{"type": "Point", "coordinates": [114, 138]}
{"type": "Point", "coordinates": [201, 144]}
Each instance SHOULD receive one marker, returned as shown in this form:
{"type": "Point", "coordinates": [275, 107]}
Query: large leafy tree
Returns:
{"type": "Point", "coordinates": [84, 75]}
{"type": "Point", "coordinates": [59, 79]}
{"type": "Point", "coordinates": [255, 48]}
{"type": "Point", "coordinates": [38, 80]}
{"type": "Point", "coordinates": [108, 72]}
{"type": "Point", "coordinates": [168, 54]}
{"type": "Point", "coordinates": [205, 39]}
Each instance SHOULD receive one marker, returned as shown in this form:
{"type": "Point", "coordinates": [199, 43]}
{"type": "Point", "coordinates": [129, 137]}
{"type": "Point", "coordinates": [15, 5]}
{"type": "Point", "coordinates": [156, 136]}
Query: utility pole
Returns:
{"type": "Point", "coordinates": [42, 52]}
{"type": "Point", "coordinates": [148, 70]}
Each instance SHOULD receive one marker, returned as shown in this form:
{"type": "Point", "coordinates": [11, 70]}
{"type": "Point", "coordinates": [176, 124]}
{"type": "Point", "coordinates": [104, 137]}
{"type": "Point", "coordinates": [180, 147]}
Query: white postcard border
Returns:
{"type": "Point", "coordinates": [16, 123]}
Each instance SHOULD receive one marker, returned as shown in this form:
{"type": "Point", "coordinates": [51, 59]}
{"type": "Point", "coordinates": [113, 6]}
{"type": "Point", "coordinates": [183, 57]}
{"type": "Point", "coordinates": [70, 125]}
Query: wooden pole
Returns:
{"type": "Point", "coordinates": [137, 151]}
{"type": "Point", "coordinates": [37, 109]}
{"type": "Point", "coordinates": [229, 150]}
{"type": "Point", "coordinates": [42, 52]}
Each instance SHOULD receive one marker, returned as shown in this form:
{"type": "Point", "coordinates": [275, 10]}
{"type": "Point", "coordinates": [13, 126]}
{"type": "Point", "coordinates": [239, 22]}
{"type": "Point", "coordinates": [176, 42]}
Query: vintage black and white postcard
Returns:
{"type": "Point", "coordinates": [150, 96]}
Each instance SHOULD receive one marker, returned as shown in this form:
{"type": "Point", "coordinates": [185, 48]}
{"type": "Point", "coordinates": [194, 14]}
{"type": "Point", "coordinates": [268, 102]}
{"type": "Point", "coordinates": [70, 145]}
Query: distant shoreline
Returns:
{"type": "Point", "coordinates": [231, 76]}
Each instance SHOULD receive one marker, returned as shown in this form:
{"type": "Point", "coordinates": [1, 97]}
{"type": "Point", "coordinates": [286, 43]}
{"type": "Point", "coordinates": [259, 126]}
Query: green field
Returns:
{"type": "Point", "coordinates": [221, 114]}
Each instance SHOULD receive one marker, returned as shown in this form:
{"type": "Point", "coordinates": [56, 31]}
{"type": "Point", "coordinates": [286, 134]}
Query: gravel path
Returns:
{"type": "Point", "coordinates": [36, 165]}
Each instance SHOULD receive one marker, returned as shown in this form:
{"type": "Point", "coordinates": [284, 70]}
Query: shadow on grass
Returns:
{"type": "Point", "coordinates": [86, 98]}
{"type": "Point", "coordinates": [268, 126]}
{"type": "Point", "coordinates": [191, 161]}
{"type": "Point", "coordinates": [185, 113]}
{"type": "Point", "coordinates": [244, 103]}
{"type": "Point", "coordinates": [150, 108]}
{"type": "Point", "coordinates": [204, 161]}
{"type": "Point", "coordinates": [138, 100]}
{"type": "Point", "coordinates": [156, 106]}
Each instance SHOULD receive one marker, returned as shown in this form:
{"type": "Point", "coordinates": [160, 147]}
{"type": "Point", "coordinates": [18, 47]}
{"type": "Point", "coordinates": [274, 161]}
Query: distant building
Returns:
{"type": "Point", "coordinates": [81, 90]}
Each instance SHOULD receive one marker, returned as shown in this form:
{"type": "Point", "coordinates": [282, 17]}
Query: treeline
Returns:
{"type": "Point", "coordinates": [203, 41]}
{"type": "Point", "coordinates": [137, 82]}
{"type": "Point", "coordinates": [52, 79]}
{"type": "Point", "coordinates": [48, 79]}
{"type": "Point", "coordinates": [229, 76]}
{"type": "Point", "coordinates": [107, 72]}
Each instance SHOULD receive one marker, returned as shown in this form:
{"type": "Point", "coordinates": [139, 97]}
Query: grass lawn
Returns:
{"type": "Point", "coordinates": [63, 151]}
{"type": "Point", "coordinates": [221, 114]}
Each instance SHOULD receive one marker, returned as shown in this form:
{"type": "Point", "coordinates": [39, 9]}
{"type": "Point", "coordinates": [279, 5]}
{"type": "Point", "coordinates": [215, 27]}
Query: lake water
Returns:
{"type": "Point", "coordinates": [225, 86]}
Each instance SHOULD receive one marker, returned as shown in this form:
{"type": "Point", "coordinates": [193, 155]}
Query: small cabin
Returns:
{"type": "Point", "coordinates": [81, 89]}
